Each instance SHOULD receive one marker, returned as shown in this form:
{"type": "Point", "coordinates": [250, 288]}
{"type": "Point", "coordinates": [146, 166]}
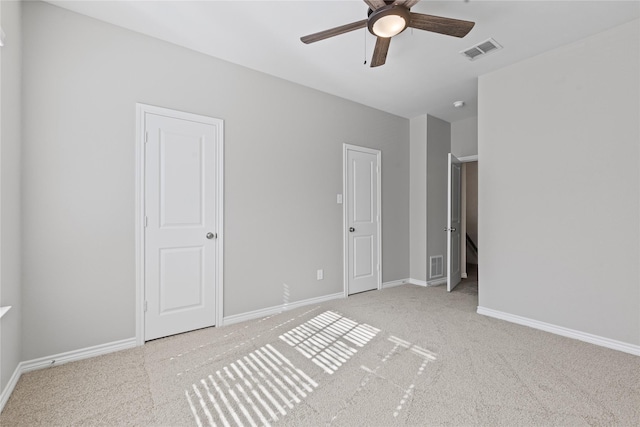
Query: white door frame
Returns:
{"type": "Point", "coordinates": [463, 227]}
{"type": "Point", "coordinates": [345, 219]}
{"type": "Point", "coordinates": [141, 111]}
{"type": "Point", "coordinates": [453, 163]}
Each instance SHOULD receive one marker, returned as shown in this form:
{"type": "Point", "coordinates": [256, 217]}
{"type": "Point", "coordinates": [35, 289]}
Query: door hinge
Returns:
{"type": "Point", "coordinates": [145, 306]}
{"type": "Point", "coordinates": [146, 137]}
{"type": "Point", "coordinates": [146, 221]}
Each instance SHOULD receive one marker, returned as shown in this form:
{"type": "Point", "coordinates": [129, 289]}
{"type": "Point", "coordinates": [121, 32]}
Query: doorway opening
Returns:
{"type": "Point", "coordinates": [469, 226]}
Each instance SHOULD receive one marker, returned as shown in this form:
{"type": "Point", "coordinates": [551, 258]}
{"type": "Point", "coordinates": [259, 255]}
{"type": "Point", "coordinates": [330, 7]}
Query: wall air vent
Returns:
{"type": "Point", "coordinates": [436, 266]}
{"type": "Point", "coordinates": [481, 49]}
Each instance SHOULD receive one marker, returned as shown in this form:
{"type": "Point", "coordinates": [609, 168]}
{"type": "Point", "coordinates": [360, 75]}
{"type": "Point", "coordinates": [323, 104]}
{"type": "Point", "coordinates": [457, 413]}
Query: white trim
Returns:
{"type": "Point", "coordinates": [394, 283]}
{"type": "Point", "coordinates": [463, 221]}
{"type": "Point", "coordinates": [418, 282]}
{"type": "Point", "coordinates": [141, 111]}
{"type": "Point", "coordinates": [58, 359]}
{"type": "Point", "coordinates": [345, 220]}
{"type": "Point", "coordinates": [433, 282]}
{"type": "Point", "coordinates": [451, 275]}
{"type": "Point", "coordinates": [139, 223]}
{"type": "Point", "coordinates": [4, 310]}
{"type": "Point", "coordinates": [11, 385]}
{"type": "Point", "coordinates": [437, 282]}
{"type": "Point", "coordinates": [467, 159]}
{"type": "Point", "coordinates": [264, 312]}
{"type": "Point", "coordinates": [560, 330]}
{"type": "Point", "coordinates": [75, 355]}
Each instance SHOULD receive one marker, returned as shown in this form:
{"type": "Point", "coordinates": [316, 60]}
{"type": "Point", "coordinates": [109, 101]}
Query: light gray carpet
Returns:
{"type": "Point", "coordinates": [402, 356]}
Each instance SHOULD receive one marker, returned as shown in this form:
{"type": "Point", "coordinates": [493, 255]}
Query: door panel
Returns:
{"type": "Point", "coordinates": [453, 223]}
{"type": "Point", "coordinates": [363, 252]}
{"type": "Point", "coordinates": [182, 281]}
{"type": "Point", "coordinates": [181, 179]}
{"type": "Point", "coordinates": [362, 209]}
{"type": "Point", "coordinates": [363, 176]}
{"type": "Point", "coordinates": [180, 206]}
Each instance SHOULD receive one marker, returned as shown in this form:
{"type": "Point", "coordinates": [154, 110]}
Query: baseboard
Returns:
{"type": "Point", "coordinates": [58, 359]}
{"type": "Point", "coordinates": [560, 330]}
{"type": "Point", "coordinates": [264, 312]}
{"type": "Point", "coordinates": [417, 282]}
{"type": "Point", "coordinates": [394, 283]}
{"type": "Point", "coordinates": [4, 396]}
{"type": "Point", "coordinates": [432, 282]}
{"type": "Point", "coordinates": [437, 282]}
{"type": "Point", "coordinates": [75, 355]}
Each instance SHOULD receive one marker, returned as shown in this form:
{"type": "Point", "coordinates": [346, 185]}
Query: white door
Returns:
{"type": "Point", "coordinates": [180, 255]}
{"type": "Point", "coordinates": [362, 219]}
{"type": "Point", "coordinates": [453, 223]}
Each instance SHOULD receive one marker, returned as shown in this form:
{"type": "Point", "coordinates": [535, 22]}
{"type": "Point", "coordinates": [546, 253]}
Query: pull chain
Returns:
{"type": "Point", "coordinates": [365, 46]}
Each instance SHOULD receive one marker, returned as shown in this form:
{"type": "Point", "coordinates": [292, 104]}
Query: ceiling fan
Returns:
{"type": "Point", "coordinates": [388, 18]}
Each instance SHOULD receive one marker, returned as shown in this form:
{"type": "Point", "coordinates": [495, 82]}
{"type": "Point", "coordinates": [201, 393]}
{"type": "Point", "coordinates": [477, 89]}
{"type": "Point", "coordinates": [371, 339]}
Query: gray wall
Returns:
{"type": "Point", "coordinates": [430, 144]}
{"type": "Point", "coordinates": [565, 161]}
{"type": "Point", "coordinates": [464, 137]}
{"type": "Point", "coordinates": [418, 205]}
{"type": "Point", "coordinates": [438, 147]}
{"type": "Point", "coordinates": [10, 86]}
{"type": "Point", "coordinates": [283, 169]}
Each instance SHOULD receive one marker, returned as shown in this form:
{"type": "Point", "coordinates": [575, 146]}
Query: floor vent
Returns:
{"type": "Point", "coordinates": [481, 49]}
{"type": "Point", "coordinates": [436, 266]}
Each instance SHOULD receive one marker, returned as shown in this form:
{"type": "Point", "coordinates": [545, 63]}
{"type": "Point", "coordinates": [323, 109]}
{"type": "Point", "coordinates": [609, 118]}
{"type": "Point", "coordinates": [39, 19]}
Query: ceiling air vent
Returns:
{"type": "Point", "coordinates": [481, 49]}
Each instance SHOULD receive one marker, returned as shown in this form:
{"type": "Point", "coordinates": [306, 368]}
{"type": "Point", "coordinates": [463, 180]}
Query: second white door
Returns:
{"type": "Point", "coordinates": [453, 224]}
{"type": "Point", "coordinates": [181, 245]}
{"type": "Point", "coordinates": [362, 220]}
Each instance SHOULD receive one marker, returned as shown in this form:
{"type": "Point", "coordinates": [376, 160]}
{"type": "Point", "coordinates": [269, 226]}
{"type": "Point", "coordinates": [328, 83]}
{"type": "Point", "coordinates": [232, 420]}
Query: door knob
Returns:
{"type": "Point", "coordinates": [211, 235]}
{"type": "Point", "coordinates": [351, 229]}
{"type": "Point", "coordinates": [453, 229]}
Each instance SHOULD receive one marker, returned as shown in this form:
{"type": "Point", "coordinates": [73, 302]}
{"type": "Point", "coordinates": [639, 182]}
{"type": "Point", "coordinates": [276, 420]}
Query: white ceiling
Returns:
{"type": "Point", "coordinates": [424, 72]}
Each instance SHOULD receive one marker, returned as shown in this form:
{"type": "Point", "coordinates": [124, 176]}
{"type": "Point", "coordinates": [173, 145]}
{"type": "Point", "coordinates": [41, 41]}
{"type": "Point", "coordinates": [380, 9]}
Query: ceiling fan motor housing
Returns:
{"type": "Point", "coordinates": [388, 20]}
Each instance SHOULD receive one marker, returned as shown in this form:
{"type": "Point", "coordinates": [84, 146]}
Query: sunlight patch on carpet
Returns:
{"type": "Point", "coordinates": [255, 390]}
{"type": "Point", "coordinates": [426, 355]}
{"type": "Point", "coordinates": [329, 339]}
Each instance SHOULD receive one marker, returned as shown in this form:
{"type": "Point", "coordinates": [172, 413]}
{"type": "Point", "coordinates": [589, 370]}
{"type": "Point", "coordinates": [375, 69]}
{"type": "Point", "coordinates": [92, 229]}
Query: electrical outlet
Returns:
{"type": "Point", "coordinates": [320, 274]}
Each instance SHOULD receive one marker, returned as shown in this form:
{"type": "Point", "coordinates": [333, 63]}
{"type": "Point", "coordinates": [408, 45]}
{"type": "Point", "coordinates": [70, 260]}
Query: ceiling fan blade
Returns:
{"type": "Point", "coordinates": [407, 3]}
{"type": "Point", "coordinates": [311, 38]}
{"type": "Point", "coordinates": [375, 4]}
{"type": "Point", "coordinates": [438, 24]}
{"type": "Point", "coordinates": [380, 52]}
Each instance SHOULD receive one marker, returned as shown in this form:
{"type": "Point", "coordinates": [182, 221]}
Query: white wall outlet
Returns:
{"type": "Point", "coordinates": [339, 199]}
{"type": "Point", "coordinates": [320, 274]}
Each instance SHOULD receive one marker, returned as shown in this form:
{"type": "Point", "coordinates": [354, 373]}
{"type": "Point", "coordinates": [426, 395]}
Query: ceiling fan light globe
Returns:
{"type": "Point", "coordinates": [389, 26]}
{"type": "Point", "coordinates": [388, 21]}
